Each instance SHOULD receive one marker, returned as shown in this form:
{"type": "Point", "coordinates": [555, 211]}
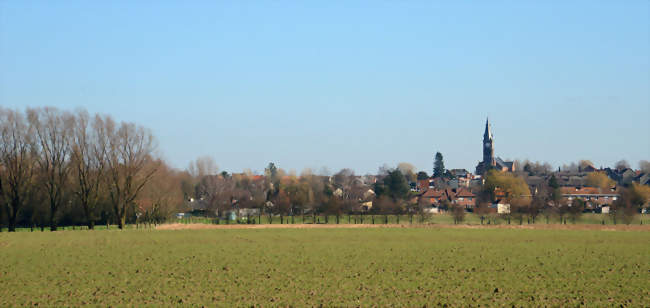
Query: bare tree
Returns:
{"type": "Point", "coordinates": [254, 196]}
{"type": "Point", "coordinates": [386, 205]}
{"type": "Point", "coordinates": [483, 200]}
{"type": "Point", "coordinates": [52, 133]}
{"type": "Point", "coordinates": [519, 207]}
{"type": "Point", "coordinates": [535, 168]}
{"type": "Point", "coordinates": [333, 206]}
{"type": "Point", "coordinates": [130, 164]}
{"type": "Point", "coordinates": [218, 192]}
{"type": "Point", "coordinates": [458, 213]}
{"type": "Point", "coordinates": [344, 178]}
{"type": "Point", "coordinates": [622, 164]}
{"type": "Point", "coordinates": [16, 163]}
{"type": "Point", "coordinates": [535, 208]}
{"type": "Point", "coordinates": [644, 166]}
{"type": "Point", "coordinates": [88, 158]}
{"type": "Point", "coordinates": [408, 170]}
{"type": "Point", "coordinates": [422, 208]}
{"type": "Point", "coordinates": [563, 210]}
{"type": "Point", "coordinates": [282, 205]}
{"type": "Point", "coordinates": [350, 190]}
{"type": "Point", "coordinates": [627, 206]}
{"type": "Point", "coordinates": [162, 195]}
{"type": "Point", "coordinates": [198, 169]}
{"type": "Point", "coordinates": [316, 192]}
{"type": "Point", "coordinates": [203, 166]}
{"type": "Point", "coordinates": [298, 193]}
{"type": "Point", "coordinates": [576, 207]}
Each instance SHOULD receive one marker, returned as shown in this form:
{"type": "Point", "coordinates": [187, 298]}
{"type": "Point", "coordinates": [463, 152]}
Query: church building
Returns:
{"type": "Point", "coordinates": [489, 161]}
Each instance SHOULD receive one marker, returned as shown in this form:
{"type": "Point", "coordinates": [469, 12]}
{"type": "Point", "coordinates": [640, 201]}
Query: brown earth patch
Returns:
{"type": "Point", "coordinates": [357, 226]}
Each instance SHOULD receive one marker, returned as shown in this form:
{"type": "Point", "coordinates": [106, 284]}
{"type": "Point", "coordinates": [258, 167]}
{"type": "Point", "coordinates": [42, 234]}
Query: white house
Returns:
{"type": "Point", "coordinates": [503, 208]}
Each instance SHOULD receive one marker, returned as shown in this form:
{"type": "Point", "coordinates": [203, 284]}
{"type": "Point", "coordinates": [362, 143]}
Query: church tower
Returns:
{"type": "Point", "coordinates": [489, 161]}
{"type": "Point", "coordinates": [488, 151]}
{"type": "Point", "coordinates": [488, 146]}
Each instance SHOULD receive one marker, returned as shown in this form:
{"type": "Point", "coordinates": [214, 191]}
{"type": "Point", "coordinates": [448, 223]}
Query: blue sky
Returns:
{"type": "Point", "coordinates": [344, 84]}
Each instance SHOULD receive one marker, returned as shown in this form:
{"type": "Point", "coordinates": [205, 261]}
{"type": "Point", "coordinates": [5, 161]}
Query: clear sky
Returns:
{"type": "Point", "coordinates": [344, 84]}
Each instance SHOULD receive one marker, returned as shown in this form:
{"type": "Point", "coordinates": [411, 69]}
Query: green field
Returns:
{"type": "Point", "coordinates": [331, 267]}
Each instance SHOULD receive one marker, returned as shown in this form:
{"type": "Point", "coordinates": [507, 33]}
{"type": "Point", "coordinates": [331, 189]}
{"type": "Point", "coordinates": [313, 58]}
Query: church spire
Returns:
{"type": "Point", "coordinates": [488, 132]}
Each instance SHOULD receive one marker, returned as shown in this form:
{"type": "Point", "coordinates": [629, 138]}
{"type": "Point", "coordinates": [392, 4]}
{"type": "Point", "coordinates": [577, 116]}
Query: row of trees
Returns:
{"type": "Point", "coordinates": [279, 193]}
{"type": "Point", "coordinates": [58, 165]}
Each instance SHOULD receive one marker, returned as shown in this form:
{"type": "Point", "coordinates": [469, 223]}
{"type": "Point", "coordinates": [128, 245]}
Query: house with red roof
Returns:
{"type": "Point", "coordinates": [461, 196]}
{"type": "Point", "coordinates": [465, 198]}
{"type": "Point", "coordinates": [594, 197]}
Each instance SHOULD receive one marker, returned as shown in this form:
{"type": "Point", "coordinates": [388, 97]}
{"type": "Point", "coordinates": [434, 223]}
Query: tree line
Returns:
{"type": "Point", "coordinates": [72, 167]}
{"type": "Point", "coordinates": [286, 194]}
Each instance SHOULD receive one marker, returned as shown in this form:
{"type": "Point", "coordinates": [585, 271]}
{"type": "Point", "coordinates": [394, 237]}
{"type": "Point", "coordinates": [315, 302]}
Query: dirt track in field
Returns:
{"type": "Point", "coordinates": [356, 226]}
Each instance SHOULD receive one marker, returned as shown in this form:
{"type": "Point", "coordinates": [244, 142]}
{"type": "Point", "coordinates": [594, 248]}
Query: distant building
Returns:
{"type": "Point", "coordinates": [623, 176]}
{"type": "Point", "coordinates": [502, 208]}
{"type": "Point", "coordinates": [462, 196]}
{"type": "Point", "coordinates": [435, 196]}
{"type": "Point", "coordinates": [460, 173]}
{"type": "Point", "coordinates": [594, 197]}
{"type": "Point", "coordinates": [366, 206]}
{"type": "Point", "coordinates": [502, 165]}
{"type": "Point", "coordinates": [460, 178]}
{"type": "Point", "coordinates": [465, 198]}
{"type": "Point", "coordinates": [587, 168]}
{"type": "Point", "coordinates": [643, 179]}
{"type": "Point", "coordinates": [424, 184]}
{"type": "Point", "coordinates": [489, 161]}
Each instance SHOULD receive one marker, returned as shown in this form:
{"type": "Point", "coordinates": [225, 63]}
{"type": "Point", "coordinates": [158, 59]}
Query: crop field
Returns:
{"type": "Point", "coordinates": [419, 266]}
